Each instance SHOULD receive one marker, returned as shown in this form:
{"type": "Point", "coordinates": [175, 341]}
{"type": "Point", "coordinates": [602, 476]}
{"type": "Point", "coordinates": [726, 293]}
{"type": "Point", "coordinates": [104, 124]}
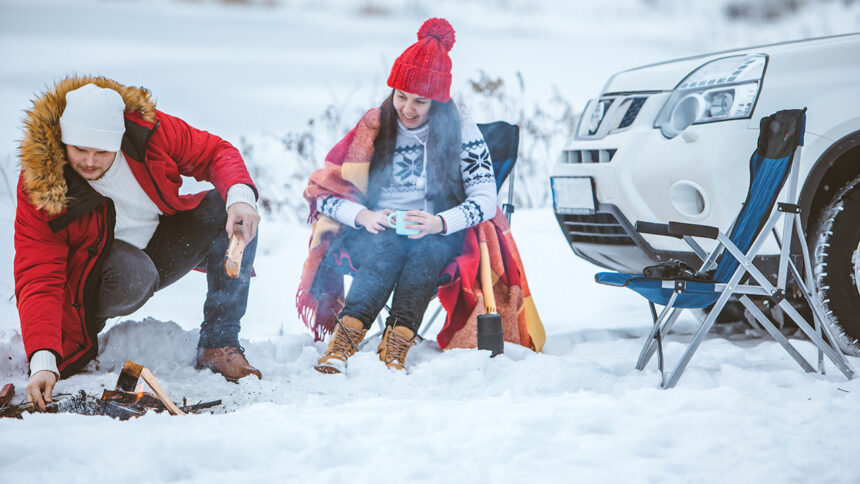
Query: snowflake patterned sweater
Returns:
{"type": "Point", "coordinates": [409, 188]}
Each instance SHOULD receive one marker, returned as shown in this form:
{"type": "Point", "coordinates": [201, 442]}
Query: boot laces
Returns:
{"type": "Point", "coordinates": [343, 340]}
{"type": "Point", "coordinates": [232, 352]}
{"type": "Point", "coordinates": [397, 347]}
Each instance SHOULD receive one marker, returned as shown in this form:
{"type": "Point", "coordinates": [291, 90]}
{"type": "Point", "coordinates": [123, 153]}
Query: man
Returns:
{"type": "Point", "coordinates": [101, 226]}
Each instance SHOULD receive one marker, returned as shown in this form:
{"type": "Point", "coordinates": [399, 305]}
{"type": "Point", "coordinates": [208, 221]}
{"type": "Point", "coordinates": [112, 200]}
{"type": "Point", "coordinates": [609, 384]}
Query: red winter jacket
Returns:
{"type": "Point", "coordinates": [64, 228]}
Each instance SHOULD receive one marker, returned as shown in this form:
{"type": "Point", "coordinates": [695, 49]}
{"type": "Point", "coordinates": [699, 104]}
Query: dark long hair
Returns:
{"type": "Point", "coordinates": [443, 152]}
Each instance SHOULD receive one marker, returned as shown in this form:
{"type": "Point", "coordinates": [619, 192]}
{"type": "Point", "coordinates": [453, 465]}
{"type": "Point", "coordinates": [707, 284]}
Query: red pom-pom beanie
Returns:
{"type": "Point", "coordinates": [425, 68]}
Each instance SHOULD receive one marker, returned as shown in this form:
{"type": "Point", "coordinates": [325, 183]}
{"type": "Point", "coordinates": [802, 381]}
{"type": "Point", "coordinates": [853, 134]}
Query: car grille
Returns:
{"type": "Point", "coordinates": [609, 115]}
{"type": "Point", "coordinates": [632, 111]}
{"type": "Point", "coordinates": [597, 228]}
{"type": "Point", "coordinates": [588, 156]}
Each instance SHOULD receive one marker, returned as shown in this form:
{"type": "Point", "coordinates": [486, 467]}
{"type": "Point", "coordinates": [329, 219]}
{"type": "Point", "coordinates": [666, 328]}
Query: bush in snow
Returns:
{"type": "Point", "coordinates": [544, 129]}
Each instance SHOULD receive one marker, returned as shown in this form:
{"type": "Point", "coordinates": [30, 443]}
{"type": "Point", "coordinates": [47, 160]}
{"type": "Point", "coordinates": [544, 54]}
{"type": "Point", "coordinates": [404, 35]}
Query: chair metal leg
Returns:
{"type": "Point", "coordinates": [775, 334]}
{"type": "Point", "coordinates": [431, 321]}
{"type": "Point", "coordinates": [703, 330]}
{"type": "Point", "coordinates": [836, 357]}
{"type": "Point", "coordinates": [794, 221]}
{"type": "Point", "coordinates": [380, 321]}
{"type": "Point", "coordinates": [651, 343]}
{"type": "Point", "coordinates": [367, 339]}
{"type": "Point", "coordinates": [508, 208]}
{"type": "Point", "coordinates": [658, 337]}
{"type": "Point", "coordinates": [818, 313]}
{"type": "Point", "coordinates": [655, 330]}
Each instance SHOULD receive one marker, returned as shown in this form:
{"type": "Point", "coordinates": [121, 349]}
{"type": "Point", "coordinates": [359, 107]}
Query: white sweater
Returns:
{"type": "Point", "coordinates": [409, 188]}
{"type": "Point", "coordinates": [136, 214]}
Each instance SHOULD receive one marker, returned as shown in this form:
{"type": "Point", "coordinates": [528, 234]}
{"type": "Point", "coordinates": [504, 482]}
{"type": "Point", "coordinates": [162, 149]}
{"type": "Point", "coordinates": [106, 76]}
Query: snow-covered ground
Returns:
{"type": "Point", "coordinates": [744, 411]}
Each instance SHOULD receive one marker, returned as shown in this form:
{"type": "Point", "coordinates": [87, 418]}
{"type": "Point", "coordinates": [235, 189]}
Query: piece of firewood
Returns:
{"type": "Point", "coordinates": [153, 383]}
{"type": "Point", "coordinates": [233, 257]}
{"type": "Point", "coordinates": [129, 376]}
{"type": "Point", "coordinates": [6, 394]}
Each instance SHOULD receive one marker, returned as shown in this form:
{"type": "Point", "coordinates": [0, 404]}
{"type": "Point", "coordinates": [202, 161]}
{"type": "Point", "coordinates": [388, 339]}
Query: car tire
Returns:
{"type": "Point", "coordinates": [837, 265]}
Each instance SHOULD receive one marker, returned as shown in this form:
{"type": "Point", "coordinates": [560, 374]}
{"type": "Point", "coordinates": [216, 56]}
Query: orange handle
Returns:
{"type": "Point", "coordinates": [487, 279]}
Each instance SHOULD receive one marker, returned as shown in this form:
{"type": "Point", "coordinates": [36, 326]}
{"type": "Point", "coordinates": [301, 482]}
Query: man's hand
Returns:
{"type": "Point", "coordinates": [40, 388]}
{"type": "Point", "coordinates": [374, 222]}
{"type": "Point", "coordinates": [426, 223]}
{"type": "Point", "coordinates": [243, 218]}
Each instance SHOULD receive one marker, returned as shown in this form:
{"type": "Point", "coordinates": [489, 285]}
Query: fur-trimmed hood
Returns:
{"type": "Point", "coordinates": [42, 151]}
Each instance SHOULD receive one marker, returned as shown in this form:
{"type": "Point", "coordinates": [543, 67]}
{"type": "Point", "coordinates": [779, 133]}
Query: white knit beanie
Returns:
{"type": "Point", "coordinates": [93, 118]}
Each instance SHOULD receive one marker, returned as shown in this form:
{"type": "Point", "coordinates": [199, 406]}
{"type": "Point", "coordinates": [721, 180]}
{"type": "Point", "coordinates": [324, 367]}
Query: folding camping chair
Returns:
{"type": "Point", "coordinates": [503, 141]}
{"type": "Point", "coordinates": [775, 160]}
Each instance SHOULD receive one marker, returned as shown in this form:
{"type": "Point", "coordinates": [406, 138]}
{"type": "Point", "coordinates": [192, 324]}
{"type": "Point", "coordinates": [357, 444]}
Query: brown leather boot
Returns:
{"type": "Point", "coordinates": [348, 333]}
{"type": "Point", "coordinates": [394, 345]}
{"type": "Point", "coordinates": [228, 360]}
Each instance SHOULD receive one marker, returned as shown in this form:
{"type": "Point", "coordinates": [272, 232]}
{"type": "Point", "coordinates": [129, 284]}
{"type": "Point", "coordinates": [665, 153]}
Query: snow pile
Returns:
{"type": "Point", "coordinates": [13, 361]}
{"type": "Point", "coordinates": [151, 343]}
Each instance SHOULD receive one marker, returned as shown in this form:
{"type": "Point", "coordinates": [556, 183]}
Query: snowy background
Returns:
{"type": "Point", "coordinates": [283, 80]}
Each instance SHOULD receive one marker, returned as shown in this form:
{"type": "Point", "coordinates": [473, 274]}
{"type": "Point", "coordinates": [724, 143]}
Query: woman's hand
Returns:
{"type": "Point", "coordinates": [427, 223]}
{"type": "Point", "coordinates": [373, 222]}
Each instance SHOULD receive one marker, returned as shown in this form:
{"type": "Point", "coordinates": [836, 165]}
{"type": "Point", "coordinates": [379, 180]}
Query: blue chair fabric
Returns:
{"type": "Point", "coordinates": [503, 141]}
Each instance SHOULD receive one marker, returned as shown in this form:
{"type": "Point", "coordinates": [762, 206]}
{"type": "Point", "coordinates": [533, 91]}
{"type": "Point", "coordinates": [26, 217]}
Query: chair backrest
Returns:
{"type": "Point", "coordinates": [779, 136]}
{"type": "Point", "coordinates": [503, 141]}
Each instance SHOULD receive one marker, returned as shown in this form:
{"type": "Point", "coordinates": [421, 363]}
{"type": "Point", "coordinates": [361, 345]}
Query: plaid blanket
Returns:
{"type": "Point", "coordinates": [321, 291]}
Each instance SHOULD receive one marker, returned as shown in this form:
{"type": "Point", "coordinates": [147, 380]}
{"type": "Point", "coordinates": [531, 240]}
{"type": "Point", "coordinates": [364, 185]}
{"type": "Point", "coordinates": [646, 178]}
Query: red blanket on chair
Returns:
{"type": "Point", "coordinates": [321, 292]}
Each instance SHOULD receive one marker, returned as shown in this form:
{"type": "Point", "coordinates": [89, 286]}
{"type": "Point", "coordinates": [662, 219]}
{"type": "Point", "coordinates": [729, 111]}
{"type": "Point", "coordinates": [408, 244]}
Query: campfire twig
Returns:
{"type": "Point", "coordinates": [153, 383]}
{"type": "Point", "coordinates": [15, 411]}
{"type": "Point", "coordinates": [200, 406]}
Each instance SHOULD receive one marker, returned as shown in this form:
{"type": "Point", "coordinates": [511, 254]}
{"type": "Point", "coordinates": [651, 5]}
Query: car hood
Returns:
{"type": "Point", "coordinates": [664, 76]}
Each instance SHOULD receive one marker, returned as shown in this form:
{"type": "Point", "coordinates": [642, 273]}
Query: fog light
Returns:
{"type": "Point", "coordinates": [685, 113]}
{"type": "Point", "coordinates": [689, 199]}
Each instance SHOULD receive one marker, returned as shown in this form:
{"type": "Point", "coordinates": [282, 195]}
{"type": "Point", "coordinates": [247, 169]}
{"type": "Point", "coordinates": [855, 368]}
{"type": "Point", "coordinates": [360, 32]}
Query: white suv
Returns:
{"type": "Point", "coordinates": [673, 140]}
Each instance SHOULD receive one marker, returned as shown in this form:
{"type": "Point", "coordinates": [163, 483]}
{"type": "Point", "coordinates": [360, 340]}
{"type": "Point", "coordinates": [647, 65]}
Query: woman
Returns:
{"type": "Point", "coordinates": [414, 154]}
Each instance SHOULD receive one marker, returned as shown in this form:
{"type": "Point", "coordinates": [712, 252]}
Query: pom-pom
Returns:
{"type": "Point", "coordinates": [440, 29]}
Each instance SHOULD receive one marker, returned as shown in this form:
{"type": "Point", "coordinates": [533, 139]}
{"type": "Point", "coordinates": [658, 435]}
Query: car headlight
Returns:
{"type": "Point", "coordinates": [721, 89]}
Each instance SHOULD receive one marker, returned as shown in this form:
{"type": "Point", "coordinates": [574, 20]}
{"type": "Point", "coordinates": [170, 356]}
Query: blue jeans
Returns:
{"type": "Point", "coordinates": [181, 243]}
{"type": "Point", "coordinates": [386, 262]}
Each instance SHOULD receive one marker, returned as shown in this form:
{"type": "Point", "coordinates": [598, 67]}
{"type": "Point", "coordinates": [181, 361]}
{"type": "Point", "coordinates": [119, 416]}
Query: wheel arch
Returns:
{"type": "Point", "coordinates": [839, 164]}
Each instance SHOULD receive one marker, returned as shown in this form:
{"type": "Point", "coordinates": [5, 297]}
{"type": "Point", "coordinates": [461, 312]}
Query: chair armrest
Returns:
{"type": "Point", "coordinates": [679, 229]}
{"type": "Point", "coordinates": [654, 229]}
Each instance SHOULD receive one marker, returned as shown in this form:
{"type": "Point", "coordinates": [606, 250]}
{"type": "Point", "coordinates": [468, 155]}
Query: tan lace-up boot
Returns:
{"type": "Point", "coordinates": [394, 346]}
{"type": "Point", "coordinates": [348, 333]}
